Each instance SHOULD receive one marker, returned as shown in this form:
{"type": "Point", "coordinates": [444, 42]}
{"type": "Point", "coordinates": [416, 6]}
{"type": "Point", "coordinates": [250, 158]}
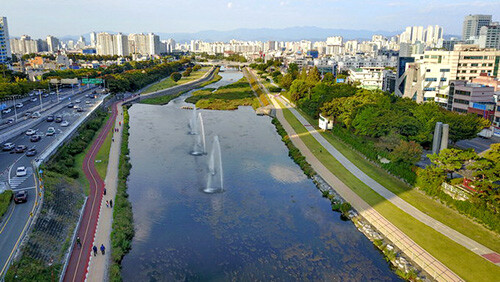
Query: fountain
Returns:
{"type": "Point", "coordinates": [215, 182]}
{"type": "Point", "coordinates": [199, 147]}
{"type": "Point", "coordinates": [193, 123]}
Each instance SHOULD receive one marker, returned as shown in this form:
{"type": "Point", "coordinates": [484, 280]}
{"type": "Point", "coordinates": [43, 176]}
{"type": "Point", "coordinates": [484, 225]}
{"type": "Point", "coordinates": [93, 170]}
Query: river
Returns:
{"type": "Point", "coordinates": [270, 223]}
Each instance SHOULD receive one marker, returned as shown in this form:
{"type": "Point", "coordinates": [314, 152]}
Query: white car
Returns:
{"type": "Point", "coordinates": [19, 105]}
{"type": "Point", "coordinates": [64, 123]}
{"type": "Point", "coordinates": [21, 171]}
{"type": "Point", "coordinates": [30, 132]}
{"type": "Point", "coordinates": [33, 99]}
{"type": "Point", "coordinates": [87, 102]}
{"type": "Point", "coordinates": [50, 131]}
{"type": "Point", "coordinates": [6, 111]}
{"type": "Point", "coordinates": [78, 101]}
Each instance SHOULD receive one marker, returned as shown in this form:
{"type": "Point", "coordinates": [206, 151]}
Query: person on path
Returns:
{"type": "Point", "coordinates": [104, 191]}
{"type": "Point", "coordinates": [112, 139]}
{"type": "Point", "coordinates": [103, 249]}
{"type": "Point", "coordinates": [78, 242]}
{"type": "Point", "coordinates": [94, 248]}
{"type": "Point", "coordinates": [107, 203]}
{"type": "Point", "coordinates": [111, 203]}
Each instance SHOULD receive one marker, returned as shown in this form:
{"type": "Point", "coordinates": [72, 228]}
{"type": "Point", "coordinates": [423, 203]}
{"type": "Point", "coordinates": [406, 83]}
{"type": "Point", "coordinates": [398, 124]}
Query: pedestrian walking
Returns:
{"type": "Point", "coordinates": [103, 249]}
{"type": "Point", "coordinates": [107, 203]}
{"type": "Point", "coordinates": [112, 139]}
{"type": "Point", "coordinates": [78, 242]}
{"type": "Point", "coordinates": [111, 203]}
{"type": "Point", "coordinates": [104, 191]}
{"type": "Point", "coordinates": [94, 248]}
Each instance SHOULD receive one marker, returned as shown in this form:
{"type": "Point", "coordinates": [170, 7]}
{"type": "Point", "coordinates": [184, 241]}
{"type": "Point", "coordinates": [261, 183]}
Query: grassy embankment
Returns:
{"type": "Point", "coordinates": [415, 197]}
{"type": "Point", "coordinates": [168, 82]}
{"type": "Point", "coordinates": [165, 99]}
{"type": "Point", "coordinates": [460, 260]}
{"type": "Point", "coordinates": [256, 88]}
{"type": "Point", "coordinates": [123, 225]}
{"type": "Point", "coordinates": [5, 199]}
{"type": "Point", "coordinates": [227, 97]}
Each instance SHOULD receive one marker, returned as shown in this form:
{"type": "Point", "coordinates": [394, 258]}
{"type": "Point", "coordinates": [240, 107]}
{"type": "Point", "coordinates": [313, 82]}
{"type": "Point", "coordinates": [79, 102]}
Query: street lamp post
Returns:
{"type": "Point", "coordinates": [40, 97]}
{"type": "Point", "coordinates": [15, 108]}
{"type": "Point", "coordinates": [57, 92]}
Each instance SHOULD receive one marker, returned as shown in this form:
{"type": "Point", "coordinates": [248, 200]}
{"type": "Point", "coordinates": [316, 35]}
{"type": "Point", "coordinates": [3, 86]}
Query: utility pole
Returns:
{"type": "Point", "coordinates": [15, 108]}
{"type": "Point", "coordinates": [40, 97]}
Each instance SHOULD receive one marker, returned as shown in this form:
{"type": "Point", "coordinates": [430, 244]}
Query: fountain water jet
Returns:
{"type": "Point", "coordinates": [193, 123]}
{"type": "Point", "coordinates": [199, 147]}
{"type": "Point", "coordinates": [215, 182]}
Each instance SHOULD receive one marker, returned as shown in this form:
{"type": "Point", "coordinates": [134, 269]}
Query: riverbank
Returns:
{"type": "Point", "coordinates": [168, 82]}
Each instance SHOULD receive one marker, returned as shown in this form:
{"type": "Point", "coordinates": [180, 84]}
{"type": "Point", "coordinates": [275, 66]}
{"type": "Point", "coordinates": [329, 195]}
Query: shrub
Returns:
{"type": "Point", "coordinates": [175, 76]}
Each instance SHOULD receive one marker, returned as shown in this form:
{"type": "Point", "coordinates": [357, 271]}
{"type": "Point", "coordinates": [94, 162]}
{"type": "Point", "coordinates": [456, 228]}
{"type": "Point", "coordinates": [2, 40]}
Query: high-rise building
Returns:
{"type": "Point", "coordinates": [24, 45]}
{"type": "Point", "coordinates": [121, 42]}
{"type": "Point", "coordinates": [53, 44]}
{"type": "Point", "coordinates": [153, 44]}
{"type": "Point", "coordinates": [105, 44]}
{"type": "Point", "coordinates": [5, 52]}
{"type": "Point", "coordinates": [430, 36]}
{"type": "Point", "coordinates": [472, 25]}
{"type": "Point", "coordinates": [93, 39]}
{"type": "Point", "coordinates": [489, 36]}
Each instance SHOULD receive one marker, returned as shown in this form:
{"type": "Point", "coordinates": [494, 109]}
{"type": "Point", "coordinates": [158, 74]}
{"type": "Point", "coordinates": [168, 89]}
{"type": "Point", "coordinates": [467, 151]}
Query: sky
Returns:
{"type": "Point", "coordinates": [39, 18]}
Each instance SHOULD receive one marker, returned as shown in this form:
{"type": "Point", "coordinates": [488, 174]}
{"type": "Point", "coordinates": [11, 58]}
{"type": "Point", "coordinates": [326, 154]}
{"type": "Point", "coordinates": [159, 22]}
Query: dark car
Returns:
{"type": "Point", "coordinates": [8, 146]}
{"type": "Point", "coordinates": [31, 152]}
{"type": "Point", "coordinates": [20, 197]}
{"type": "Point", "coordinates": [50, 118]}
{"type": "Point", "coordinates": [58, 119]}
{"type": "Point", "coordinates": [80, 109]}
{"type": "Point", "coordinates": [35, 138]}
{"type": "Point", "coordinates": [20, 148]}
{"type": "Point", "coordinates": [70, 105]}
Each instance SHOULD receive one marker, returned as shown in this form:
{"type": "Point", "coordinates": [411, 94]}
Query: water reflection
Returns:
{"type": "Point", "coordinates": [271, 223]}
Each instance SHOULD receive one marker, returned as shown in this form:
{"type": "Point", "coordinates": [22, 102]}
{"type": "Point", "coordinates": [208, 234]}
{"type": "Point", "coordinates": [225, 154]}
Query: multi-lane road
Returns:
{"type": "Point", "coordinates": [16, 220]}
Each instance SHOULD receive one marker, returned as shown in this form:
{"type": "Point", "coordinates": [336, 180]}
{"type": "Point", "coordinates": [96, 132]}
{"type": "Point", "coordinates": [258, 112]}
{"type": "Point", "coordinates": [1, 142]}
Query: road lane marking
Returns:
{"type": "Point", "coordinates": [8, 218]}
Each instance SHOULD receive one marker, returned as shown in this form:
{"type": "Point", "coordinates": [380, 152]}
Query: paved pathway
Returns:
{"type": "Point", "coordinates": [79, 258]}
{"type": "Point", "coordinates": [451, 233]}
{"type": "Point", "coordinates": [99, 265]}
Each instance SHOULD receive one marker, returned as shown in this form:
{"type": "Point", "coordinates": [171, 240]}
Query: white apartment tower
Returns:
{"type": "Point", "coordinates": [5, 52]}
{"type": "Point", "coordinates": [489, 36]}
{"type": "Point", "coordinates": [472, 25]}
{"type": "Point", "coordinates": [53, 44]}
{"type": "Point", "coordinates": [121, 43]}
{"type": "Point", "coordinates": [93, 39]}
{"type": "Point", "coordinates": [105, 44]}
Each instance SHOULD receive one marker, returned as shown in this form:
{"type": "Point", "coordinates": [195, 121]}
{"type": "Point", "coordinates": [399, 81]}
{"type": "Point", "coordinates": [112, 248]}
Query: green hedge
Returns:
{"type": "Point", "coordinates": [123, 225]}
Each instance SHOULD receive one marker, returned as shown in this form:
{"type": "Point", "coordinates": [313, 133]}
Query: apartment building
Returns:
{"type": "Point", "coordinates": [5, 52]}
{"type": "Point", "coordinates": [23, 45]}
{"type": "Point", "coordinates": [472, 25]}
{"type": "Point", "coordinates": [368, 77]}
{"type": "Point", "coordinates": [466, 97]}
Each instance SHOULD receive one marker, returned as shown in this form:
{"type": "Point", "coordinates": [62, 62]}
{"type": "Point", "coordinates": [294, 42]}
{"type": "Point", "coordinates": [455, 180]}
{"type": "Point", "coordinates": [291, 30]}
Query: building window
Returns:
{"type": "Point", "coordinates": [445, 70]}
{"type": "Point", "coordinates": [431, 79]}
{"type": "Point", "coordinates": [429, 89]}
{"type": "Point", "coordinates": [443, 79]}
{"type": "Point", "coordinates": [460, 101]}
{"type": "Point", "coordinates": [473, 57]}
{"type": "Point", "coordinates": [474, 65]}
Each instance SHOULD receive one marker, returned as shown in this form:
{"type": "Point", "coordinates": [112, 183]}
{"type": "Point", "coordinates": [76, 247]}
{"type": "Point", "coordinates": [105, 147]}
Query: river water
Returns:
{"type": "Point", "coordinates": [271, 223]}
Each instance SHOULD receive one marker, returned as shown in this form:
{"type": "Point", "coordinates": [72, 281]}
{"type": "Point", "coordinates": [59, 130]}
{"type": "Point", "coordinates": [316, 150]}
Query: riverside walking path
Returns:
{"type": "Point", "coordinates": [99, 265]}
{"type": "Point", "coordinates": [451, 233]}
{"type": "Point", "coordinates": [78, 261]}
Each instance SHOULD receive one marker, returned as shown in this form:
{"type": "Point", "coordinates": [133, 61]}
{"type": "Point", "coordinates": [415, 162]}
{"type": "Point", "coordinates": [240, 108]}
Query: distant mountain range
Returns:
{"type": "Point", "coordinates": [264, 34]}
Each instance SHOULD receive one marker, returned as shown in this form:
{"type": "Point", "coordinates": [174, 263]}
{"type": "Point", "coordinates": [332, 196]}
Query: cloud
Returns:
{"type": "Point", "coordinates": [229, 5]}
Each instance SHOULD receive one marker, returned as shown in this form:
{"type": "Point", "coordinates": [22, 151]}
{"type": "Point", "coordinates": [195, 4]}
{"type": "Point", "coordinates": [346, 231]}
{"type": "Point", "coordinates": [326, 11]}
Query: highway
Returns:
{"type": "Point", "coordinates": [16, 220]}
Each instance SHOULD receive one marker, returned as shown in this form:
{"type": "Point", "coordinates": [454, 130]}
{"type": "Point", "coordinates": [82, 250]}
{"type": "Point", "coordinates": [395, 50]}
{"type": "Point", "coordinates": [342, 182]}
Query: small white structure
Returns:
{"type": "Point", "coordinates": [325, 123]}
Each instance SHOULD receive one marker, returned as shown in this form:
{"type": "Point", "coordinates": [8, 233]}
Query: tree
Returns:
{"type": "Point", "coordinates": [286, 81]}
{"type": "Point", "coordinates": [373, 121]}
{"type": "Point", "coordinates": [175, 76]}
{"type": "Point", "coordinates": [298, 89]}
{"type": "Point", "coordinates": [313, 76]}
{"type": "Point", "coordinates": [293, 69]}
{"type": "Point", "coordinates": [328, 78]}
{"type": "Point", "coordinates": [407, 152]}
{"type": "Point", "coordinates": [464, 127]}
{"type": "Point", "coordinates": [451, 160]}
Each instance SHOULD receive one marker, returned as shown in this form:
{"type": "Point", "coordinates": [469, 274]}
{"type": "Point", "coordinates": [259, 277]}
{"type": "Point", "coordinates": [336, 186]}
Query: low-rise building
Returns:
{"type": "Point", "coordinates": [467, 97]}
{"type": "Point", "coordinates": [368, 77]}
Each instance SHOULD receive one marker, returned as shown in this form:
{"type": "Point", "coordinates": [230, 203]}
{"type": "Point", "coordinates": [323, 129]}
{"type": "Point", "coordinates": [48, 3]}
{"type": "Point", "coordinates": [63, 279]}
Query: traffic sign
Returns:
{"type": "Point", "coordinates": [91, 80]}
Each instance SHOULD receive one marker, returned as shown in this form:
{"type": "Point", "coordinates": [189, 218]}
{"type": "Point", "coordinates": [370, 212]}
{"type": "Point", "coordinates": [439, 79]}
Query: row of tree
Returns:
{"type": "Point", "coordinates": [235, 57]}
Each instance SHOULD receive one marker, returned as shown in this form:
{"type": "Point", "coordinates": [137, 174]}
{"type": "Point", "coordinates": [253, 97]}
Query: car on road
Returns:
{"type": "Point", "coordinates": [70, 105]}
{"type": "Point", "coordinates": [80, 109]}
{"type": "Point", "coordinates": [34, 99]}
{"type": "Point", "coordinates": [19, 105]}
{"type": "Point", "coordinates": [64, 123]}
{"type": "Point", "coordinates": [20, 197]}
{"type": "Point", "coordinates": [58, 119]}
{"type": "Point", "coordinates": [8, 146]}
{"type": "Point", "coordinates": [36, 115]}
{"type": "Point", "coordinates": [50, 131]}
{"type": "Point", "coordinates": [9, 121]}
{"type": "Point", "coordinates": [6, 111]}
{"type": "Point", "coordinates": [21, 171]}
{"type": "Point", "coordinates": [78, 101]}
{"type": "Point", "coordinates": [31, 152]}
{"type": "Point", "coordinates": [87, 102]}
{"type": "Point", "coordinates": [20, 149]}
{"type": "Point", "coordinates": [30, 132]}
{"type": "Point", "coordinates": [50, 118]}
{"type": "Point", "coordinates": [52, 93]}
{"type": "Point", "coordinates": [35, 138]}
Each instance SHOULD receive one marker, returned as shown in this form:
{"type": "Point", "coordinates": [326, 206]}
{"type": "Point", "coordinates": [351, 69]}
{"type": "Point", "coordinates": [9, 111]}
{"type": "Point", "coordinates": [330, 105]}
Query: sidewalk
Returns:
{"type": "Point", "coordinates": [426, 261]}
{"type": "Point", "coordinates": [99, 265]}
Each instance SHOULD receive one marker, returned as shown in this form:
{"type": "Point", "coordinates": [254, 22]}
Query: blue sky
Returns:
{"type": "Point", "coordinates": [73, 17]}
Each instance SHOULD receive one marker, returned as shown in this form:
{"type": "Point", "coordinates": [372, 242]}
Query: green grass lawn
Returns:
{"type": "Point", "coordinates": [168, 82]}
{"type": "Point", "coordinates": [5, 199]}
{"type": "Point", "coordinates": [103, 155]}
{"type": "Point", "coordinates": [462, 261]}
{"type": "Point", "coordinates": [418, 199]}
{"type": "Point", "coordinates": [227, 97]}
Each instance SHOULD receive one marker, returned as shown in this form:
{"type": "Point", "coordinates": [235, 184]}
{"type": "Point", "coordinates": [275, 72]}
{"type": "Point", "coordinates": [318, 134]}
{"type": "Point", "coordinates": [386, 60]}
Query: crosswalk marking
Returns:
{"type": "Point", "coordinates": [15, 181]}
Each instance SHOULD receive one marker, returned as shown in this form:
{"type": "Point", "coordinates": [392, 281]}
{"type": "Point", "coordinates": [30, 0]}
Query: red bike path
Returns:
{"type": "Point", "coordinates": [80, 256]}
